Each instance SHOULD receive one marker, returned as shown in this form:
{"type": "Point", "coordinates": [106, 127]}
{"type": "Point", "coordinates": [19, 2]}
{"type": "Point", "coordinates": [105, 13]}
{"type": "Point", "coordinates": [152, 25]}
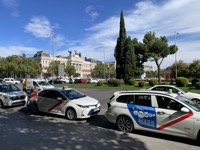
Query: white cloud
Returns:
{"type": "Point", "coordinates": [40, 27]}
{"type": "Point", "coordinates": [90, 10]}
{"type": "Point", "coordinates": [17, 50]}
{"type": "Point", "coordinates": [13, 4]}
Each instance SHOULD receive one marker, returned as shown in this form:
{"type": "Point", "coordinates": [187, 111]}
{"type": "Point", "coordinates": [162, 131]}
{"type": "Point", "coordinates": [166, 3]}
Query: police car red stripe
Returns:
{"type": "Point", "coordinates": [50, 109]}
{"type": "Point", "coordinates": [175, 121]}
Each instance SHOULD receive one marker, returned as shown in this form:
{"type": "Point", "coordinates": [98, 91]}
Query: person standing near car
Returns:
{"type": "Point", "coordinates": [32, 98]}
{"type": "Point", "coordinates": [25, 85]}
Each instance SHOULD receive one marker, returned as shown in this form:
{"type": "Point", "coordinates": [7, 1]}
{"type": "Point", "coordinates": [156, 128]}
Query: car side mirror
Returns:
{"type": "Point", "coordinates": [184, 109]}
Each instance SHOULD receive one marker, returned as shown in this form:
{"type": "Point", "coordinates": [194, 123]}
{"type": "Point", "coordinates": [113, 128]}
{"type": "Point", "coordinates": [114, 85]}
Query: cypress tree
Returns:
{"type": "Point", "coordinates": [130, 64]}
{"type": "Point", "coordinates": [119, 49]}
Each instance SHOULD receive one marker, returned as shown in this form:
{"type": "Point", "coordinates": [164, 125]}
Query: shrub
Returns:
{"type": "Point", "coordinates": [131, 82]}
{"type": "Point", "coordinates": [166, 83]}
{"type": "Point", "coordinates": [197, 85]}
{"type": "Point", "coordinates": [153, 82]}
{"type": "Point", "coordinates": [141, 83]}
{"type": "Point", "coordinates": [116, 82]}
{"type": "Point", "coordinates": [194, 81]}
{"type": "Point", "coordinates": [100, 83]}
{"type": "Point", "coordinates": [110, 82]}
{"type": "Point", "coordinates": [181, 81]}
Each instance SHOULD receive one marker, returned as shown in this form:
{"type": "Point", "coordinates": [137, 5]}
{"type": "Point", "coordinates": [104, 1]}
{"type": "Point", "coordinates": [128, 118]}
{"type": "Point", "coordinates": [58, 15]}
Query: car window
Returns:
{"type": "Point", "coordinates": [167, 103]}
{"type": "Point", "coordinates": [9, 88]}
{"type": "Point", "coordinates": [73, 94]}
{"type": "Point", "coordinates": [125, 99]}
{"type": "Point", "coordinates": [160, 88]}
{"type": "Point", "coordinates": [174, 90]}
{"type": "Point", "coordinates": [51, 94]}
{"type": "Point", "coordinates": [144, 100]}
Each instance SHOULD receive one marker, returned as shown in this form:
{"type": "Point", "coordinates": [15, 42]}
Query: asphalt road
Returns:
{"type": "Point", "coordinates": [51, 132]}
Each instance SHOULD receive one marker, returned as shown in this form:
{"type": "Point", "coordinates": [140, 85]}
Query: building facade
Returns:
{"type": "Point", "coordinates": [82, 66]}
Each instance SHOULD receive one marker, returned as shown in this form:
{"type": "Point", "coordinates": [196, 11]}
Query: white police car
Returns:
{"type": "Point", "coordinates": [11, 95]}
{"type": "Point", "coordinates": [155, 111]}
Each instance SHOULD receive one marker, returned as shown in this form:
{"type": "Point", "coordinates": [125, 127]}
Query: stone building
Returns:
{"type": "Point", "coordinates": [82, 66]}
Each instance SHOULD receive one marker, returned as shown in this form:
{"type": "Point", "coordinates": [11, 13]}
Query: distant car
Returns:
{"type": "Point", "coordinates": [91, 80]}
{"type": "Point", "coordinates": [57, 81]}
{"type": "Point", "coordinates": [195, 97]}
{"type": "Point", "coordinates": [80, 81]}
{"type": "Point", "coordinates": [11, 80]}
{"type": "Point", "coordinates": [154, 111]}
{"type": "Point", "coordinates": [11, 95]}
{"type": "Point", "coordinates": [39, 83]}
{"type": "Point", "coordinates": [67, 102]}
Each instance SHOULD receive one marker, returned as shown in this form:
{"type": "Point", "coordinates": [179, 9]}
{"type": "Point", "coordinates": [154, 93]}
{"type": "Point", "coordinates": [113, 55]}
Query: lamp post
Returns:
{"type": "Point", "coordinates": [53, 36]}
{"type": "Point", "coordinates": [175, 33]}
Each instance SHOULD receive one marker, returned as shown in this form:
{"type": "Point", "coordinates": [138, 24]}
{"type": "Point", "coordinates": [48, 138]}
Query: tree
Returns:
{"type": "Point", "coordinates": [98, 71]}
{"type": "Point", "coordinates": [182, 69]}
{"type": "Point", "coordinates": [194, 69]}
{"type": "Point", "coordinates": [53, 68]}
{"type": "Point", "coordinates": [141, 57]}
{"type": "Point", "coordinates": [158, 49]}
{"type": "Point", "coordinates": [129, 65]}
{"type": "Point", "coordinates": [70, 70]}
{"type": "Point", "coordinates": [119, 49]}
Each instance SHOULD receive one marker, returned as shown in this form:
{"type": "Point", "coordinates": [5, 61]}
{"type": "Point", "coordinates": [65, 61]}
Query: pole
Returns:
{"type": "Point", "coordinates": [53, 36]}
{"type": "Point", "coordinates": [175, 33]}
{"type": "Point", "coordinates": [104, 64]}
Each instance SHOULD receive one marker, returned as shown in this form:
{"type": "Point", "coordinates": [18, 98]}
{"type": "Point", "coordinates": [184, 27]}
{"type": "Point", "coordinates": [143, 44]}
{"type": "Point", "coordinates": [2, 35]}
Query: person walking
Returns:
{"type": "Point", "coordinates": [25, 85]}
{"type": "Point", "coordinates": [32, 98]}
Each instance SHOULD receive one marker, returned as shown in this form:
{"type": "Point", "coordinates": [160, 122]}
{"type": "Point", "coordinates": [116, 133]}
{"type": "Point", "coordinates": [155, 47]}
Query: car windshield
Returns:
{"type": "Point", "coordinates": [9, 88]}
{"type": "Point", "coordinates": [73, 94]}
{"type": "Point", "coordinates": [43, 83]}
{"type": "Point", "coordinates": [189, 103]}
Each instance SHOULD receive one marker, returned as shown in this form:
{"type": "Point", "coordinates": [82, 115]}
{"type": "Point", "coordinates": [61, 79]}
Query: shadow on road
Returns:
{"type": "Point", "coordinates": [101, 121]}
{"type": "Point", "coordinates": [22, 131]}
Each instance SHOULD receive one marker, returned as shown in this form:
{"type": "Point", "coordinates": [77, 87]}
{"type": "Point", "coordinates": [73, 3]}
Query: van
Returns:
{"type": "Point", "coordinates": [41, 84]}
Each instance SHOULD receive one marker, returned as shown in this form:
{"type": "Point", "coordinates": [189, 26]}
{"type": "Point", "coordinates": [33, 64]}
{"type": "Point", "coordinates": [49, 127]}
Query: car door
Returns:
{"type": "Point", "coordinates": [142, 111]}
{"type": "Point", "coordinates": [47, 100]}
{"type": "Point", "coordinates": [171, 119]}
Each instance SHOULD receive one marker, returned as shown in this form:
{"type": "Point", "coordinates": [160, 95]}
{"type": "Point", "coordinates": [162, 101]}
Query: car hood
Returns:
{"type": "Point", "coordinates": [16, 93]}
{"type": "Point", "coordinates": [47, 86]}
{"type": "Point", "coordinates": [85, 101]}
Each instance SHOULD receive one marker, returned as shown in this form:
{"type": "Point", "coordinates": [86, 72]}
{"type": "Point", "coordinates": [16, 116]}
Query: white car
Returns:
{"type": "Point", "coordinates": [67, 102]}
{"type": "Point", "coordinates": [11, 80]}
{"type": "Point", "coordinates": [195, 97]}
{"type": "Point", "coordinates": [155, 111]}
{"type": "Point", "coordinates": [11, 95]}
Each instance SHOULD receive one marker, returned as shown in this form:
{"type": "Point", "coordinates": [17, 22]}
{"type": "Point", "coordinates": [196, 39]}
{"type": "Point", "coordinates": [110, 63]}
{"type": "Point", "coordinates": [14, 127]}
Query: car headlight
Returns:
{"type": "Point", "coordinates": [82, 106]}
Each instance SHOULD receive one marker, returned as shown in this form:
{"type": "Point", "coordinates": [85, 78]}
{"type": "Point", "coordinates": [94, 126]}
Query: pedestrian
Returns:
{"type": "Point", "coordinates": [25, 85]}
{"type": "Point", "coordinates": [32, 98]}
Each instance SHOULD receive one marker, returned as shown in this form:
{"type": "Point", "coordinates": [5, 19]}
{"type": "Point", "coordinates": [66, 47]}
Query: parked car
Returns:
{"type": "Point", "coordinates": [91, 80]}
{"type": "Point", "coordinates": [11, 80]}
{"type": "Point", "coordinates": [80, 81]}
{"type": "Point", "coordinates": [11, 95]}
{"type": "Point", "coordinates": [154, 111]}
{"type": "Point", "coordinates": [39, 83]}
{"type": "Point", "coordinates": [57, 81]}
{"type": "Point", "coordinates": [195, 97]}
{"type": "Point", "coordinates": [67, 102]}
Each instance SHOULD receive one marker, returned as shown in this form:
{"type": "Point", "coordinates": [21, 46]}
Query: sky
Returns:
{"type": "Point", "coordinates": [91, 27]}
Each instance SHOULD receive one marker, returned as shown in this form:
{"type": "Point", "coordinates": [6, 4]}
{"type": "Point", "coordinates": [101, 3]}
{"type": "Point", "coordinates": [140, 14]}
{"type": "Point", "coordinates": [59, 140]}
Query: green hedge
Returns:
{"type": "Point", "coordinates": [197, 85]}
{"type": "Point", "coordinates": [153, 82]}
{"type": "Point", "coordinates": [182, 81]}
{"type": "Point", "coordinates": [141, 83]}
{"type": "Point", "coordinates": [131, 82]}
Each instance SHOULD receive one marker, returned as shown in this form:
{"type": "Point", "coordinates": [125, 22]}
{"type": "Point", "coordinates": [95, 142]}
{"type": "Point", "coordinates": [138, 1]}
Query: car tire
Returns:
{"type": "Point", "coordinates": [70, 114]}
{"type": "Point", "coordinates": [125, 124]}
{"type": "Point", "coordinates": [196, 101]}
{"type": "Point", "coordinates": [1, 104]}
{"type": "Point", "coordinates": [198, 138]}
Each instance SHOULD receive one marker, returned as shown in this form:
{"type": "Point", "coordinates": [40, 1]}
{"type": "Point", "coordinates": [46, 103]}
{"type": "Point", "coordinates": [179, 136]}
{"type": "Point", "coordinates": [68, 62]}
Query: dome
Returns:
{"type": "Point", "coordinates": [41, 54]}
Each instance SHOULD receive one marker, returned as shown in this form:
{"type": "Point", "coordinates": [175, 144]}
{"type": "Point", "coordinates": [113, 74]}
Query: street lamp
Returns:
{"type": "Point", "coordinates": [175, 33]}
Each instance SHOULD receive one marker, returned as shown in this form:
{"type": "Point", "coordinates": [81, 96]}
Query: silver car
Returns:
{"type": "Point", "coordinates": [155, 111]}
{"type": "Point", "coordinates": [11, 95]}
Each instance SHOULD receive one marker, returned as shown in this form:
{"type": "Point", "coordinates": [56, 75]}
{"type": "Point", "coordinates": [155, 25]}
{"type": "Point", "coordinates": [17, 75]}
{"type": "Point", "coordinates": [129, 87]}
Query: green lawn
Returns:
{"type": "Point", "coordinates": [189, 88]}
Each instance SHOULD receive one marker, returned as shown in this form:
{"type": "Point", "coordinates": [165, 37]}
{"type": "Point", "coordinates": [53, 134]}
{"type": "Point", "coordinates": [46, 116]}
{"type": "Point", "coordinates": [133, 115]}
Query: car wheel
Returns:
{"type": "Point", "coordinates": [198, 138]}
{"type": "Point", "coordinates": [196, 101]}
{"type": "Point", "coordinates": [70, 114]}
{"type": "Point", "coordinates": [1, 104]}
{"type": "Point", "coordinates": [125, 124]}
